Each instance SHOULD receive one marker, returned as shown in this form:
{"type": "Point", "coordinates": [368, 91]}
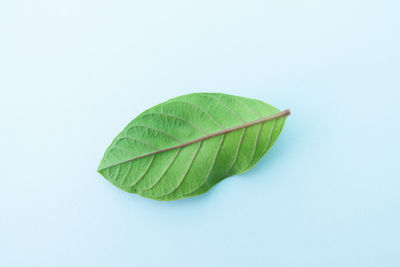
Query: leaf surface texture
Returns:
{"type": "Point", "coordinates": [184, 146]}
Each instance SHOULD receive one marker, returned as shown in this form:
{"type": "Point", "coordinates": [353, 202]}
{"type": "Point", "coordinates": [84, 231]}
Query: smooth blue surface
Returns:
{"type": "Point", "coordinates": [74, 73]}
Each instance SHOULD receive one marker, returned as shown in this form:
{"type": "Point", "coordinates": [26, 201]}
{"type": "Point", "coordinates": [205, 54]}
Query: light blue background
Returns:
{"type": "Point", "coordinates": [74, 73]}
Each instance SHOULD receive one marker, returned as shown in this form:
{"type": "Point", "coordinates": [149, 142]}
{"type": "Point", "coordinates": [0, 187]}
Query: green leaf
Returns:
{"type": "Point", "coordinates": [184, 146]}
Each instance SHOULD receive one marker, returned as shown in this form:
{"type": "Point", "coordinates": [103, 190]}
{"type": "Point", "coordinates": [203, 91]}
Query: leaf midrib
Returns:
{"type": "Point", "coordinates": [224, 131]}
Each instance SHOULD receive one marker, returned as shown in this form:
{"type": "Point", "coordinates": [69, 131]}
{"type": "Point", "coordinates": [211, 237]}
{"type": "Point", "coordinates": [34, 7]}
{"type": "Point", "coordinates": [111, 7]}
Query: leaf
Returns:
{"type": "Point", "coordinates": [184, 146]}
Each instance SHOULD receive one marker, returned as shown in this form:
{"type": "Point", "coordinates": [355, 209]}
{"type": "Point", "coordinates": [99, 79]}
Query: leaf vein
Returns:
{"type": "Point", "coordinates": [135, 139]}
{"type": "Point", "coordinates": [176, 117]}
{"type": "Point", "coordinates": [211, 168]}
{"type": "Point", "coordinates": [269, 137]}
{"type": "Point", "coordinates": [186, 172]}
{"type": "Point", "coordinates": [126, 175]}
{"type": "Point", "coordinates": [202, 110]}
{"type": "Point", "coordinates": [227, 107]}
{"type": "Point", "coordinates": [117, 173]}
{"type": "Point", "coordinates": [241, 126]}
{"type": "Point", "coordinates": [255, 145]}
{"type": "Point", "coordinates": [165, 171]}
{"type": "Point", "coordinates": [250, 108]}
{"type": "Point", "coordinates": [145, 171]}
{"type": "Point", "coordinates": [237, 152]}
{"type": "Point", "coordinates": [154, 129]}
